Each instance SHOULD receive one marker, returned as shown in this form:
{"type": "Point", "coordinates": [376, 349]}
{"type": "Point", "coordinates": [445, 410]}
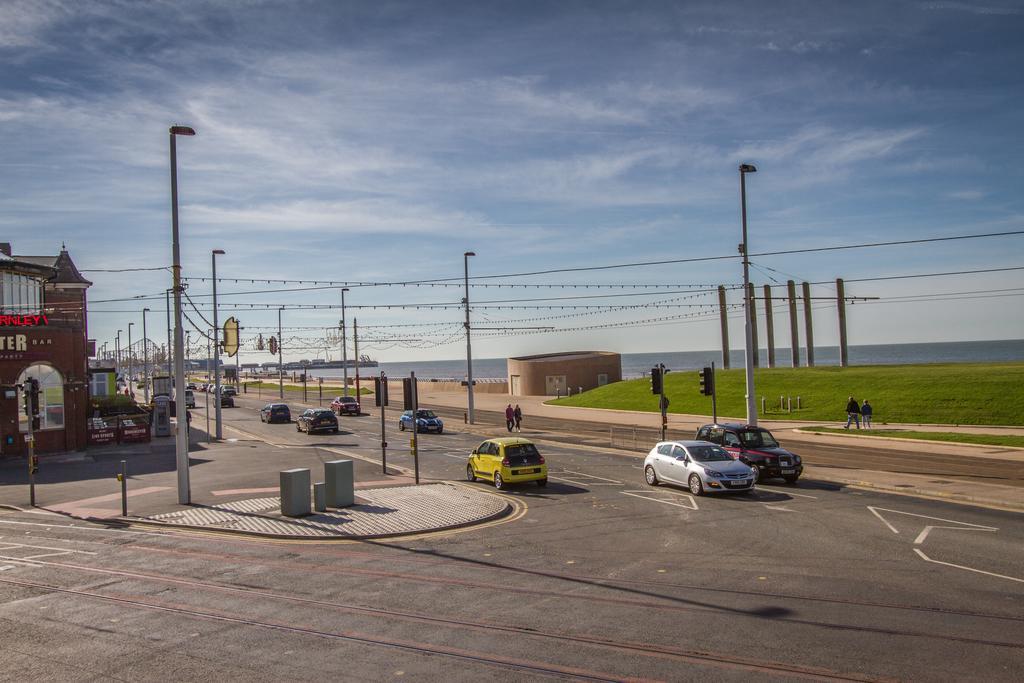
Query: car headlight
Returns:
{"type": "Point", "coordinates": [796, 458]}
{"type": "Point", "coordinates": [713, 474]}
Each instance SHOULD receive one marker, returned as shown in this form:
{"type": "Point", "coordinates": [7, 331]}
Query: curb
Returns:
{"type": "Point", "coordinates": [933, 442]}
{"type": "Point", "coordinates": [914, 492]}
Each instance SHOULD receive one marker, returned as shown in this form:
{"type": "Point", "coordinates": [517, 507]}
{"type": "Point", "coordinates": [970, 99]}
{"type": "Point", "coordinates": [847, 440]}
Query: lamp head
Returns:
{"type": "Point", "coordinates": [218, 251]}
{"type": "Point", "coordinates": [470, 253]}
{"type": "Point", "coordinates": [145, 310]}
{"type": "Point", "coordinates": [747, 168]}
{"type": "Point", "coordinates": [345, 289]}
{"type": "Point", "coordinates": [182, 130]}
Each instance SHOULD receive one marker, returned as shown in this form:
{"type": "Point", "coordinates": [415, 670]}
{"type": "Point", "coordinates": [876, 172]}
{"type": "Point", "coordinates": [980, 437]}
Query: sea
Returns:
{"type": "Point", "coordinates": [639, 364]}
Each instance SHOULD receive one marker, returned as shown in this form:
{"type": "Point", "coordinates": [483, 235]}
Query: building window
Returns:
{"type": "Point", "coordinates": [20, 294]}
{"type": "Point", "coordinates": [51, 397]}
{"type": "Point", "coordinates": [602, 379]}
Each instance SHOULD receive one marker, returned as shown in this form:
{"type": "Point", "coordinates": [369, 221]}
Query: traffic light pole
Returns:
{"type": "Point", "coordinates": [714, 396]}
{"type": "Point", "coordinates": [382, 398]}
{"type": "Point", "coordinates": [31, 439]}
{"type": "Point", "coordinates": [415, 411]}
{"type": "Point", "coordinates": [662, 402]}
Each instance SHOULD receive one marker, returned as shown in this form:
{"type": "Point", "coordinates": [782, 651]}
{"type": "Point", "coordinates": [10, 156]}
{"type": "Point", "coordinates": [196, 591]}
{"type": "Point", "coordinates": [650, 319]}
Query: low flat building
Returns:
{"type": "Point", "coordinates": [558, 374]}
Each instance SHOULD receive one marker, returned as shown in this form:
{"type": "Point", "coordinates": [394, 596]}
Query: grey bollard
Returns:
{"type": "Point", "coordinates": [295, 492]}
{"type": "Point", "coordinates": [320, 496]}
{"type": "Point", "coordinates": [340, 477]}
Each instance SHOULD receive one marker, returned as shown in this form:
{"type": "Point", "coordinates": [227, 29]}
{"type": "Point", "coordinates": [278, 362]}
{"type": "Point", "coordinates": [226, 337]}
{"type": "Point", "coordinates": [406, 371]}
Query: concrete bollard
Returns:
{"type": "Point", "coordinates": [320, 496]}
{"type": "Point", "coordinates": [798, 404]}
{"type": "Point", "coordinates": [789, 404]}
{"type": "Point", "coordinates": [340, 476]}
{"type": "Point", "coordinates": [295, 492]}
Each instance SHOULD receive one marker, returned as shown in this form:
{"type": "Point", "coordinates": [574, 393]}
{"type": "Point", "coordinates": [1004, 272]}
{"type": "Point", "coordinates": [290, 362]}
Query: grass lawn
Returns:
{"type": "Point", "coordinates": [956, 393]}
{"type": "Point", "coordinates": [986, 439]}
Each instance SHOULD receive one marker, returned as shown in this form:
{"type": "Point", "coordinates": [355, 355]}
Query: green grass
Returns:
{"type": "Point", "coordinates": [961, 393]}
{"type": "Point", "coordinates": [984, 439]}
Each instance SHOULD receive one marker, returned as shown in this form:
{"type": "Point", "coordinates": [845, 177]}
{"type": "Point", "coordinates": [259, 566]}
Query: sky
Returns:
{"type": "Point", "coordinates": [376, 142]}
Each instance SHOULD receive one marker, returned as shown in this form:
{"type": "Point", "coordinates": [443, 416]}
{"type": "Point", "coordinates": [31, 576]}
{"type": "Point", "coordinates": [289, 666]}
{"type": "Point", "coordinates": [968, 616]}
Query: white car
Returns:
{"type": "Point", "coordinates": [700, 466]}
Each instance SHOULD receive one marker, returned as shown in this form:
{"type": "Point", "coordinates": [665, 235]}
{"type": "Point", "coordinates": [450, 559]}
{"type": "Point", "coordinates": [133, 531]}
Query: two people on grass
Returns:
{"type": "Point", "coordinates": [855, 412]}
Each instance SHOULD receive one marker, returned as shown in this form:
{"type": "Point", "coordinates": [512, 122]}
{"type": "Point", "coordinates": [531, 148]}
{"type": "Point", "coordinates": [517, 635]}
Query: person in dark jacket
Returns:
{"type": "Point", "coordinates": [510, 417]}
{"type": "Point", "coordinates": [865, 412]}
{"type": "Point", "coordinates": [852, 412]}
{"type": "Point", "coordinates": [518, 415]}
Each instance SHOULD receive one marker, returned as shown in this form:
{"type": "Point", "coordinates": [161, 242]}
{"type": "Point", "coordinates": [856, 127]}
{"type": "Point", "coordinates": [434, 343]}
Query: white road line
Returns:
{"type": "Point", "coordinates": [780, 508]}
{"type": "Point", "coordinates": [638, 494]}
{"type": "Point", "coordinates": [584, 483]}
{"type": "Point", "coordinates": [12, 546]}
{"type": "Point", "coordinates": [939, 519]}
{"type": "Point", "coordinates": [592, 476]}
{"type": "Point", "coordinates": [86, 528]}
{"type": "Point", "coordinates": [924, 532]}
{"type": "Point", "coordinates": [969, 569]}
{"type": "Point", "coordinates": [787, 492]}
{"type": "Point", "coordinates": [34, 557]}
{"type": "Point", "coordinates": [884, 520]}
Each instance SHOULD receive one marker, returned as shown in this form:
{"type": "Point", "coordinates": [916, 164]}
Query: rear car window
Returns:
{"type": "Point", "coordinates": [522, 454]}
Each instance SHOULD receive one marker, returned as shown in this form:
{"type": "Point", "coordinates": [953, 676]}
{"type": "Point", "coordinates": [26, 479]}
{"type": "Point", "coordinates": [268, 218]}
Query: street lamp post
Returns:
{"type": "Point", "coordinates": [216, 346]}
{"type": "Point", "coordinates": [469, 349]}
{"type": "Point", "coordinates": [145, 358]}
{"type": "Point", "coordinates": [748, 310]}
{"type": "Point", "coordinates": [181, 435]}
{"type": "Point", "coordinates": [280, 357]}
{"type": "Point", "coordinates": [131, 367]}
{"type": "Point", "coordinates": [167, 302]}
{"type": "Point", "coordinates": [344, 346]}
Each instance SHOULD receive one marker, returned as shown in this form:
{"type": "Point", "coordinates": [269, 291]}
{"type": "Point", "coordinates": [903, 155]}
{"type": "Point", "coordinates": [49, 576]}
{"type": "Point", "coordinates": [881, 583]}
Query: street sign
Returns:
{"type": "Point", "coordinates": [230, 336]}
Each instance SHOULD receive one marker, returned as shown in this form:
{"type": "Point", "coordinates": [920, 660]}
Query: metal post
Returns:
{"type": "Point", "coordinates": [415, 412]}
{"type": "Point", "coordinates": [725, 326]}
{"type": "Point", "coordinates": [181, 435]}
{"type": "Point", "coordinates": [304, 393]}
{"type": "Point", "coordinates": [663, 403]}
{"type": "Point", "coordinates": [753, 324]}
{"type": "Point", "coordinates": [808, 328]}
{"type": "Point", "coordinates": [320, 388]}
{"type": "Point", "coordinates": [131, 368]}
{"type": "Point", "coordinates": [31, 440]}
{"type": "Point", "coordinates": [117, 353]}
{"type": "Point", "coordinates": [794, 330]}
{"type": "Point", "coordinates": [748, 309]}
{"type": "Point", "coordinates": [145, 358]}
{"type": "Point", "coordinates": [207, 392]}
{"type": "Point", "coordinates": [383, 435]}
{"type": "Point", "coordinates": [216, 346]}
{"type": "Point", "coordinates": [844, 356]}
{"type": "Point", "coordinates": [355, 347]}
{"type": "Point", "coordinates": [167, 301]}
{"type": "Point", "coordinates": [714, 395]}
{"type": "Point", "coordinates": [280, 357]}
{"type": "Point", "coordinates": [124, 488]}
{"type": "Point", "coordinates": [769, 325]}
{"type": "Point", "coordinates": [344, 346]}
{"type": "Point", "coordinates": [469, 348]}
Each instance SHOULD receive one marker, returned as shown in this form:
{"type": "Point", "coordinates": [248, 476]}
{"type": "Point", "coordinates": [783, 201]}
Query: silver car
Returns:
{"type": "Point", "coordinates": [700, 466]}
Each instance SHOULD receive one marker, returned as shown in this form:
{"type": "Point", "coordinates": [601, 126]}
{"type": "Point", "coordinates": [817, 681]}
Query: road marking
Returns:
{"type": "Point", "coordinates": [787, 492]}
{"type": "Point", "coordinates": [233, 492]}
{"type": "Point", "coordinates": [884, 520]}
{"type": "Point", "coordinates": [12, 546]}
{"type": "Point", "coordinates": [875, 512]}
{"type": "Point", "coordinates": [591, 476]}
{"type": "Point", "coordinates": [970, 569]}
{"type": "Point", "coordinates": [641, 494]}
{"type": "Point", "coordinates": [781, 508]}
{"type": "Point", "coordinates": [49, 527]}
{"type": "Point", "coordinates": [924, 532]}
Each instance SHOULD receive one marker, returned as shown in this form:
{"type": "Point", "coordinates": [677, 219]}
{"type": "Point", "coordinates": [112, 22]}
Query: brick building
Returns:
{"type": "Point", "coordinates": [43, 335]}
{"type": "Point", "coordinates": [554, 374]}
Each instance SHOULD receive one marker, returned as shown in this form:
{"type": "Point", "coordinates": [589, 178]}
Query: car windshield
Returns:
{"type": "Point", "coordinates": [347, 399]}
{"type": "Point", "coordinates": [322, 413]}
{"type": "Point", "coordinates": [522, 454]}
{"type": "Point", "coordinates": [425, 414]}
{"type": "Point", "coordinates": [758, 439]}
{"type": "Point", "coordinates": [708, 453]}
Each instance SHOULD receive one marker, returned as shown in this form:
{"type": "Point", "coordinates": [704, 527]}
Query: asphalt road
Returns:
{"type": "Point", "coordinates": [599, 577]}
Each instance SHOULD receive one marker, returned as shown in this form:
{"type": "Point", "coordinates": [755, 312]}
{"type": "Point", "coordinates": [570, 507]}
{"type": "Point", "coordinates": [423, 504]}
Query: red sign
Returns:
{"type": "Point", "coordinates": [23, 320]}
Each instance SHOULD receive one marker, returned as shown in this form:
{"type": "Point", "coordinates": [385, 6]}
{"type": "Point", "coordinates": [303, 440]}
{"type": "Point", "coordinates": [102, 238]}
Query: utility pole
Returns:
{"type": "Point", "coordinates": [145, 358]}
{"type": "Point", "coordinates": [167, 301]}
{"type": "Point", "coordinates": [355, 343]}
{"type": "Point", "coordinates": [280, 357]}
{"type": "Point", "coordinates": [663, 403]}
{"type": "Point", "coordinates": [469, 348]}
{"type": "Point", "coordinates": [747, 301]}
{"type": "Point", "coordinates": [131, 368]}
{"type": "Point", "coordinates": [216, 345]}
{"type": "Point", "coordinates": [344, 346]}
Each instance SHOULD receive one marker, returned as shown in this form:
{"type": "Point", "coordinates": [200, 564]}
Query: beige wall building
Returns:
{"type": "Point", "coordinates": [553, 374]}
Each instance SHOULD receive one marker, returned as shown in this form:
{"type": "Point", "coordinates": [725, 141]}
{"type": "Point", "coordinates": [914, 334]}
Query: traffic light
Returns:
{"type": "Point", "coordinates": [30, 396]}
{"type": "Point", "coordinates": [707, 381]}
{"type": "Point", "coordinates": [380, 390]}
{"type": "Point", "coordinates": [409, 393]}
{"type": "Point", "coordinates": [656, 380]}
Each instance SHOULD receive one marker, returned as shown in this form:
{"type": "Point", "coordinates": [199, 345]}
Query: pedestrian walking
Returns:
{"type": "Point", "coordinates": [518, 415]}
{"type": "Point", "coordinates": [510, 417]}
{"type": "Point", "coordinates": [865, 412]}
{"type": "Point", "coordinates": [852, 413]}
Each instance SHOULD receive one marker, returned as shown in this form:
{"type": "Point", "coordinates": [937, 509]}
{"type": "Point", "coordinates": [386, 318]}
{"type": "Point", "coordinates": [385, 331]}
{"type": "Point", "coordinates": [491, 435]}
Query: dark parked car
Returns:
{"type": "Point", "coordinates": [755, 446]}
{"type": "Point", "coordinates": [345, 404]}
{"type": "Point", "coordinates": [229, 391]}
{"type": "Point", "coordinates": [317, 420]}
{"type": "Point", "coordinates": [426, 421]}
{"type": "Point", "coordinates": [226, 400]}
{"type": "Point", "coordinates": [275, 412]}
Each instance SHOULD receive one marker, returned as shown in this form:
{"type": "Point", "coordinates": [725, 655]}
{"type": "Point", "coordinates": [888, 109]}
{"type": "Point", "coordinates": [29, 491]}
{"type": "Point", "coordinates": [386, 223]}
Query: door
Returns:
{"type": "Point", "coordinates": [663, 462]}
{"type": "Point", "coordinates": [555, 385]}
{"type": "Point", "coordinates": [513, 385]}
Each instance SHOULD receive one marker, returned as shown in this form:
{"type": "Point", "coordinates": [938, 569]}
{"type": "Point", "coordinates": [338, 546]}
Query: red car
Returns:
{"type": "Point", "coordinates": [345, 405]}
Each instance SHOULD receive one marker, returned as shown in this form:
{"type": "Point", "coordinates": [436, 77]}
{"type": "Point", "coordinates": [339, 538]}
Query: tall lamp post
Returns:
{"type": "Point", "coordinates": [280, 357]}
{"type": "Point", "coordinates": [344, 345]}
{"type": "Point", "coordinates": [131, 367]}
{"type": "Point", "coordinates": [181, 435]}
{"type": "Point", "coordinates": [117, 353]}
{"type": "Point", "coordinates": [469, 349]}
{"type": "Point", "coordinates": [216, 346]}
{"type": "Point", "coordinates": [748, 311]}
{"type": "Point", "coordinates": [167, 301]}
{"type": "Point", "coordinates": [145, 358]}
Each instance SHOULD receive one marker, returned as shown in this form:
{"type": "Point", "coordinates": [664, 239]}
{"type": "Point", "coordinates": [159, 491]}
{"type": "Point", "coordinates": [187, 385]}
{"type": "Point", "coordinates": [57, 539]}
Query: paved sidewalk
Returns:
{"type": "Point", "coordinates": [378, 513]}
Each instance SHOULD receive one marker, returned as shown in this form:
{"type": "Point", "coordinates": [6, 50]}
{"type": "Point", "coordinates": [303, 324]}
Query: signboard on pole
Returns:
{"type": "Point", "coordinates": [230, 336]}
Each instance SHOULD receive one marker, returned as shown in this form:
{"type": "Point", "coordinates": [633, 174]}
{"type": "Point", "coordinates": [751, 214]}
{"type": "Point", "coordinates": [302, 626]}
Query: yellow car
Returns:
{"type": "Point", "coordinates": [509, 460]}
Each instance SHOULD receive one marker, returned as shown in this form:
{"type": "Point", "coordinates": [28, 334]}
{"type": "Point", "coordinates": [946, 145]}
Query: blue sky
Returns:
{"type": "Point", "coordinates": [378, 141]}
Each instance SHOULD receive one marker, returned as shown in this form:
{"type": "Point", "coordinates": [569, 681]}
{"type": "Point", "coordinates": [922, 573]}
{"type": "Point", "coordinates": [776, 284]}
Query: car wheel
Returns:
{"type": "Point", "coordinates": [298, 427]}
{"type": "Point", "coordinates": [542, 482]}
{"type": "Point", "coordinates": [335, 430]}
{"type": "Point", "coordinates": [791, 480]}
{"type": "Point", "coordinates": [650, 476]}
{"type": "Point", "coordinates": [401, 426]}
{"type": "Point", "coordinates": [696, 487]}
{"type": "Point", "coordinates": [757, 472]}
{"type": "Point", "coordinates": [440, 431]}
{"type": "Point", "coordinates": [470, 474]}
{"type": "Point", "coordinates": [499, 483]}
